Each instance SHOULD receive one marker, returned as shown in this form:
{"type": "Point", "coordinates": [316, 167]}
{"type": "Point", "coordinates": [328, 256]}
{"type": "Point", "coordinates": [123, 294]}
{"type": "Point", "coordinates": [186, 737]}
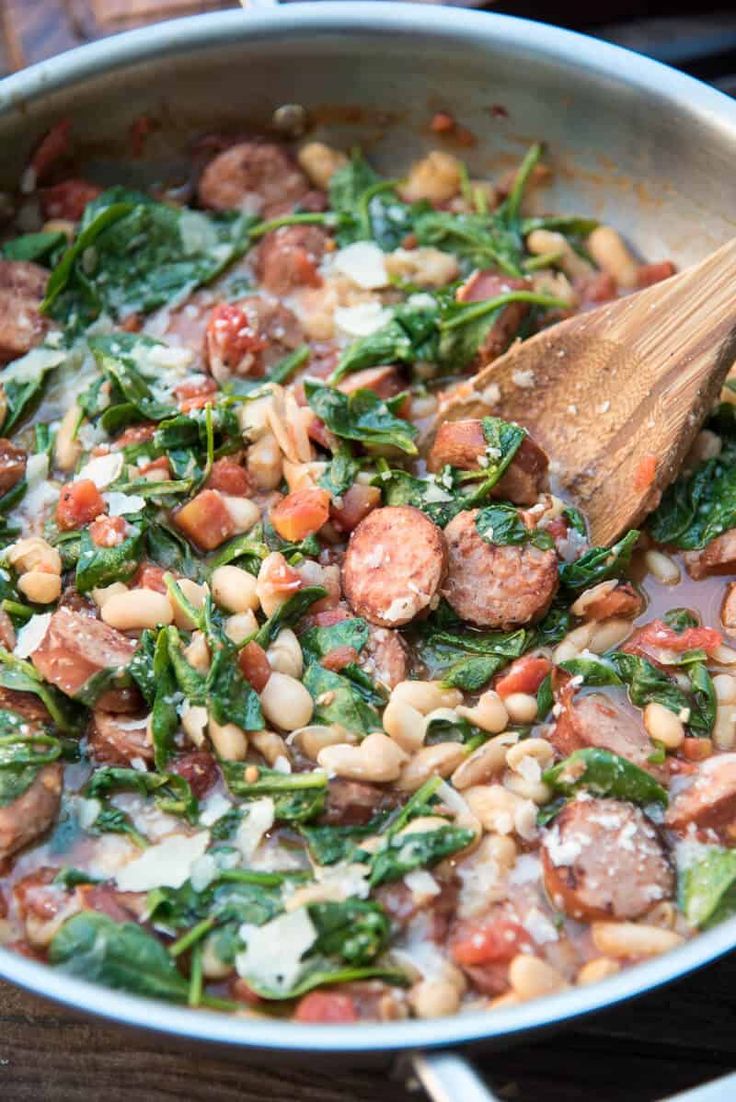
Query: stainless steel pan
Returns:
{"type": "Point", "coordinates": [634, 142]}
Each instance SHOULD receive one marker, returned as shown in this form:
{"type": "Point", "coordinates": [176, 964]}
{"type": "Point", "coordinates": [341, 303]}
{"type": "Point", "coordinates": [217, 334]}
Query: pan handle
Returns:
{"type": "Point", "coordinates": [449, 1077]}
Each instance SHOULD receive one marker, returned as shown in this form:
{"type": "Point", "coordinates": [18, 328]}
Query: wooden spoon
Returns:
{"type": "Point", "coordinates": [616, 396]}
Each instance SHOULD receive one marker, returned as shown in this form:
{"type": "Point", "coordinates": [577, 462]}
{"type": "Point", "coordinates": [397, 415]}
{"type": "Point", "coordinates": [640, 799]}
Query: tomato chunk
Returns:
{"type": "Point", "coordinates": [326, 1006]}
{"type": "Point", "coordinates": [524, 676]}
{"type": "Point", "coordinates": [645, 473]}
{"type": "Point", "coordinates": [659, 636]}
{"type": "Point", "coordinates": [300, 514]}
{"type": "Point", "coordinates": [648, 274]}
{"type": "Point", "coordinates": [108, 531]}
{"type": "Point", "coordinates": [80, 502]}
{"type": "Point", "coordinates": [68, 199]}
{"type": "Point", "coordinates": [497, 939]}
{"type": "Point", "coordinates": [205, 520]}
{"type": "Point", "coordinates": [339, 657]}
{"type": "Point", "coordinates": [150, 576]}
{"type": "Point", "coordinates": [198, 768]}
{"type": "Point", "coordinates": [254, 665]}
{"type": "Point", "coordinates": [357, 502]}
{"type": "Point", "coordinates": [230, 477]}
{"type": "Point", "coordinates": [232, 342]}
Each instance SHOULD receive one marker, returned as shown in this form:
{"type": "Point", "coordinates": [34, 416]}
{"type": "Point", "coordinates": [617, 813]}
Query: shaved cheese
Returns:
{"type": "Point", "coordinates": [30, 368]}
{"type": "Point", "coordinates": [31, 635]}
{"type": "Point", "coordinates": [203, 872]}
{"type": "Point", "coordinates": [197, 233]}
{"type": "Point", "coordinates": [165, 865]}
{"type": "Point", "coordinates": [260, 818]}
{"type": "Point", "coordinates": [87, 811]}
{"type": "Point", "coordinates": [361, 320]}
{"type": "Point", "coordinates": [213, 808]}
{"type": "Point", "coordinates": [119, 505]}
{"type": "Point", "coordinates": [103, 469]}
{"type": "Point", "coordinates": [421, 884]}
{"type": "Point", "coordinates": [37, 469]}
{"type": "Point", "coordinates": [363, 263]}
{"type": "Point", "coordinates": [273, 953]}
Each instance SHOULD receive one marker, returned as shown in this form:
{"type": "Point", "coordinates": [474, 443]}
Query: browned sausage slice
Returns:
{"type": "Point", "coordinates": [384, 657]}
{"type": "Point", "coordinates": [12, 465]}
{"type": "Point", "coordinates": [257, 177]}
{"type": "Point", "coordinates": [599, 721]}
{"type": "Point", "coordinates": [394, 565]}
{"type": "Point", "coordinates": [462, 444]}
{"type": "Point", "coordinates": [75, 648]}
{"type": "Point", "coordinates": [604, 859]}
{"type": "Point", "coordinates": [383, 381]}
{"type": "Point", "coordinates": [352, 803]}
{"type": "Point", "coordinates": [119, 740]}
{"type": "Point", "coordinates": [22, 288]}
{"type": "Point", "coordinates": [486, 284]}
{"type": "Point", "coordinates": [496, 586]}
{"type": "Point", "coordinates": [31, 815]}
{"type": "Point", "coordinates": [288, 258]}
{"type": "Point", "coordinates": [710, 799]}
{"type": "Point", "coordinates": [717, 557]}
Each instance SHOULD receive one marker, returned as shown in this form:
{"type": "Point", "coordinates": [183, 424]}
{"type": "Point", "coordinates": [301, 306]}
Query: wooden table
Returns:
{"type": "Point", "coordinates": [640, 1052]}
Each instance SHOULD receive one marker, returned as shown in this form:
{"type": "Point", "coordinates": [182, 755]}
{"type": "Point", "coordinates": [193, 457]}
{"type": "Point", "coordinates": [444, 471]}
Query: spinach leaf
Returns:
{"type": "Point", "coordinates": [141, 665]}
{"type": "Point", "coordinates": [705, 702]}
{"type": "Point", "coordinates": [468, 659]}
{"type": "Point", "coordinates": [164, 716]}
{"type": "Point", "coordinates": [101, 566]}
{"type": "Point", "coordinates": [111, 820]}
{"type": "Point", "coordinates": [356, 931]}
{"type": "Point", "coordinates": [22, 677]}
{"type": "Point", "coordinates": [346, 187]}
{"type": "Point", "coordinates": [171, 791]}
{"type": "Point", "coordinates": [289, 613]}
{"type": "Point", "coordinates": [444, 726]}
{"type": "Point", "coordinates": [362, 416]}
{"type": "Point", "coordinates": [604, 774]}
{"type": "Point", "coordinates": [699, 506]}
{"type": "Point", "coordinates": [501, 524]}
{"type": "Point", "coordinates": [23, 385]}
{"type": "Point", "coordinates": [707, 887]}
{"type": "Point", "coordinates": [401, 853]}
{"type": "Point", "coordinates": [329, 844]}
{"type": "Point", "coordinates": [341, 473]}
{"type": "Point", "coordinates": [23, 752]}
{"type": "Point", "coordinates": [232, 698]}
{"type": "Point", "coordinates": [319, 971]}
{"type": "Point", "coordinates": [545, 698]}
{"type": "Point", "coordinates": [297, 796]}
{"type": "Point", "coordinates": [481, 240]}
{"type": "Point", "coordinates": [245, 550]}
{"type": "Point", "coordinates": [281, 373]}
{"type": "Point", "coordinates": [39, 247]}
{"type": "Point", "coordinates": [119, 357]}
{"type": "Point", "coordinates": [171, 551]}
{"type": "Point", "coordinates": [680, 619]}
{"type": "Point", "coordinates": [594, 671]}
{"type": "Point", "coordinates": [599, 563]}
{"type": "Point", "coordinates": [317, 642]}
{"type": "Point", "coordinates": [571, 225]}
{"type": "Point", "coordinates": [430, 494]}
{"type": "Point", "coordinates": [339, 700]}
{"type": "Point", "coordinates": [464, 326]}
{"type": "Point", "coordinates": [647, 683]}
{"type": "Point", "coordinates": [410, 334]}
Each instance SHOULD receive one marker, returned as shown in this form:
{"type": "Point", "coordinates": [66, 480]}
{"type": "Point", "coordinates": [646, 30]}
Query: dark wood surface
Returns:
{"type": "Point", "coordinates": [645, 1050]}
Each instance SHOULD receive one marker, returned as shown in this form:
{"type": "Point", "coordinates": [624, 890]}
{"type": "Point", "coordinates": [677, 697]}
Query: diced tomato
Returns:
{"type": "Point", "coordinates": [622, 601]}
{"type": "Point", "coordinates": [649, 274]}
{"type": "Point", "coordinates": [80, 502]}
{"type": "Point", "coordinates": [108, 531]}
{"type": "Point", "coordinates": [150, 576]}
{"type": "Point", "coordinates": [232, 342]}
{"type": "Point", "coordinates": [645, 473]}
{"type": "Point", "coordinates": [136, 434]}
{"type": "Point", "coordinates": [442, 123]}
{"type": "Point", "coordinates": [279, 577]}
{"type": "Point", "coordinates": [132, 324]}
{"type": "Point", "coordinates": [195, 387]}
{"type": "Point", "coordinates": [159, 469]}
{"type": "Point", "coordinates": [318, 431]}
{"type": "Point", "coordinates": [205, 520]}
{"type": "Point", "coordinates": [497, 939]}
{"type": "Point", "coordinates": [230, 477]}
{"type": "Point", "coordinates": [661, 637]}
{"type": "Point", "coordinates": [106, 900]}
{"type": "Point", "coordinates": [557, 528]}
{"type": "Point", "coordinates": [53, 146]}
{"type": "Point", "coordinates": [139, 130]}
{"type": "Point", "coordinates": [254, 665]}
{"type": "Point", "coordinates": [357, 502]}
{"type": "Point", "coordinates": [198, 768]}
{"type": "Point", "coordinates": [68, 199]}
{"type": "Point", "coordinates": [338, 658]}
{"type": "Point", "coordinates": [696, 749]}
{"type": "Point", "coordinates": [524, 676]}
{"type": "Point", "coordinates": [325, 619]}
{"type": "Point", "coordinates": [300, 514]}
{"type": "Point", "coordinates": [326, 1006]}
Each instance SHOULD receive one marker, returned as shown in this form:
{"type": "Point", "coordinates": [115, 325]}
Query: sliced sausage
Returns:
{"type": "Point", "coordinates": [596, 720]}
{"type": "Point", "coordinates": [22, 288]}
{"type": "Point", "coordinates": [257, 177]}
{"type": "Point", "coordinates": [462, 444]}
{"type": "Point", "coordinates": [31, 815]}
{"type": "Point", "coordinates": [352, 803]}
{"type": "Point", "coordinates": [75, 648]}
{"type": "Point", "coordinates": [604, 859]}
{"type": "Point", "coordinates": [12, 465]}
{"type": "Point", "coordinates": [496, 586]}
{"type": "Point", "coordinates": [119, 740]}
{"type": "Point", "coordinates": [394, 565]}
{"type": "Point", "coordinates": [288, 258]}
{"type": "Point", "coordinates": [383, 381]}
{"type": "Point", "coordinates": [709, 800]}
{"type": "Point", "coordinates": [384, 657]}
{"type": "Point", "coordinates": [486, 284]}
{"type": "Point", "coordinates": [611, 599]}
{"type": "Point", "coordinates": [717, 557]}
{"type": "Point", "coordinates": [27, 705]}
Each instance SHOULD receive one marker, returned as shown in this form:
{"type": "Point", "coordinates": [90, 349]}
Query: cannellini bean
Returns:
{"type": "Point", "coordinates": [286, 703]}
{"type": "Point", "coordinates": [264, 462]}
{"type": "Point", "coordinates": [610, 252]}
{"type": "Point", "coordinates": [595, 970]}
{"type": "Point", "coordinates": [490, 713]}
{"type": "Point", "coordinates": [662, 567]}
{"type": "Point", "coordinates": [431, 761]}
{"type": "Point", "coordinates": [574, 642]}
{"type": "Point", "coordinates": [663, 725]}
{"type": "Point", "coordinates": [608, 633]}
{"type": "Point", "coordinates": [244, 513]}
{"type": "Point", "coordinates": [557, 284]}
{"type": "Point", "coordinates": [320, 162]}
{"type": "Point", "coordinates": [193, 593]}
{"type": "Point", "coordinates": [630, 939]}
{"type": "Point", "coordinates": [663, 914]}
{"type": "Point", "coordinates": [580, 606]}
{"type": "Point", "coordinates": [377, 758]}
{"type": "Point", "coordinates": [437, 177]}
{"type": "Point", "coordinates": [60, 225]}
{"type": "Point", "coordinates": [194, 723]}
{"type": "Point", "coordinates": [432, 998]}
{"type": "Point", "coordinates": [509, 998]}
{"type": "Point", "coordinates": [197, 652]}
{"type": "Point", "coordinates": [405, 724]}
{"type": "Point", "coordinates": [521, 707]}
{"type": "Point", "coordinates": [426, 696]}
{"type": "Point", "coordinates": [725, 687]}
{"type": "Point", "coordinates": [531, 977]}
{"type": "Point", "coordinates": [723, 655]}
{"type": "Point", "coordinates": [528, 788]}
{"type": "Point", "coordinates": [67, 449]}
{"type": "Point", "coordinates": [485, 762]}
{"type": "Point", "coordinates": [311, 740]}
{"type": "Point", "coordinates": [229, 740]}
{"type": "Point", "coordinates": [271, 596]}
{"type": "Point", "coordinates": [40, 587]}
{"type": "Point", "coordinates": [270, 746]}
{"type": "Point", "coordinates": [535, 749]}
{"type": "Point", "coordinates": [137, 609]}
{"type": "Point", "coordinates": [546, 242]}
{"type": "Point", "coordinates": [241, 626]}
{"type": "Point", "coordinates": [33, 553]}
{"type": "Point", "coordinates": [426, 267]}
{"type": "Point", "coordinates": [285, 654]}
{"type": "Point", "coordinates": [501, 811]}
{"type": "Point", "coordinates": [724, 728]}
{"type": "Point", "coordinates": [234, 589]}
{"type": "Point", "coordinates": [104, 593]}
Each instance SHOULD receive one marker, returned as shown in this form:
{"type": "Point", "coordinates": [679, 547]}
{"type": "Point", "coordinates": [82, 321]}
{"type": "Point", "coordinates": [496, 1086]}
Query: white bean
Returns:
{"type": "Point", "coordinates": [229, 740]}
{"type": "Point", "coordinates": [285, 654]}
{"type": "Point", "coordinates": [426, 696]}
{"type": "Point", "coordinates": [724, 728]}
{"type": "Point", "coordinates": [404, 724]}
{"type": "Point", "coordinates": [67, 449]}
{"type": "Point", "coordinates": [437, 177]}
{"type": "Point", "coordinates": [531, 977]}
{"type": "Point", "coordinates": [104, 593]}
{"type": "Point", "coordinates": [610, 252]}
{"type": "Point", "coordinates": [244, 513]}
{"type": "Point", "coordinates": [320, 162]}
{"type": "Point", "coordinates": [574, 642]}
{"type": "Point", "coordinates": [193, 593]}
{"type": "Point", "coordinates": [137, 609]}
{"type": "Point", "coordinates": [286, 703]}
{"type": "Point", "coordinates": [377, 758]}
{"type": "Point", "coordinates": [725, 687]}
{"type": "Point", "coordinates": [264, 462]}
{"type": "Point", "coordinates": [535, 749]}
{"type": "Point", "coordinates": [490, 713]}
{"type": "Point", "coordinates": [234, 589]}
{"type": "Point", "coordinates": [545, 242]}
{"type": "Point", "coordinates": [663, 725]}
{"type": "Point", "coordinates": [33, 553]}
{"type": "Point", "coordinates": [40, 587]}
{"type": "Point", "coordinates": [579, 607]}
{"type": "Point", "coordinates": [194, 723]}
{"type": "Point", "coordinates": [596, 970]}
{"type": "Point", "coordinates": [662, 567]}
{"type": "Point", "coordinates": [431, 761]}
{"type": "Point", "coordinates": [270, 746]}
{"type": "Point", "coordinates": [629, 939]}
{"type": "Point", "coordinates": [241, 626]}
{"type": "Point", "coordinates": [608, 633]}
{"type": "Point", "coordinates": [432, 998]}
{"type": "Point", "coordinates": [316, 737]}
{"type": "Point", "coordinates": [484, 762]}
{"type": "Point", "coordinates": [521, 707]}
{"type": "Point", "coordinates": [197, 653]}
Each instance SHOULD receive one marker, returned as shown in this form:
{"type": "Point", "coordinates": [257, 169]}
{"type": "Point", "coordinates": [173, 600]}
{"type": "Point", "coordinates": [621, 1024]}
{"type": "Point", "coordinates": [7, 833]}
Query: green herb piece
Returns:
{"type": "Point", "coordinates": [21, 676]}
{"type": "Point", "coordinates": [599, 563]}
{"type": "Point", "coordinates": [289, 613]}
{"type": "Point", "coordinates": [38, 247]}
{"type": "Point", "coordinates": [362, 416]}
{"type": "Point", "coordinates": [232, 698]}
{"type": "Point", "coordinates": [604, 774]}
{"type": "Point", "coordinates": [402, 853]}
{"type": "Point", "coordinates": [125, 359]}
{"type": "Point", "coordinates": [594, 671]}
{"type": "Point", "coordinates": [329, 844]}
{"type": "Point", "coordinates": [707, 887]}
{"type": "Point", "coordinates": [297, 797]}
{"type": "Point", "coordinates": [699, 506]}
{"type": "Point", "coordinates": [500, 525]}
{"type": "Point", "coordinates": [171, 791]}
{"type": "Point", "coordinates": [24, 382]}
{"type": "Point", "coordinates": [316, 642]}
{"type": "Point", "coordinates": [410, 334]}
{"type": "Point", "coordinates": [356, 931]}
{"type": "Point", "coordinates": [244, 550]}
{"type": "Point", "coordinates": [545, 698]}
{"type": "Point", "coordinates": [468, 659]}
{"type": "Point", "coordinates": [647, 683]}
{"type": "Point", "coordinates": [24, 750]}
{"type": "Point", "coordinates": [680, 619]}
{"type": "Point", "coordinates": [101, 566]}
{"type": "Point", "coordinates": [339, 700]}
